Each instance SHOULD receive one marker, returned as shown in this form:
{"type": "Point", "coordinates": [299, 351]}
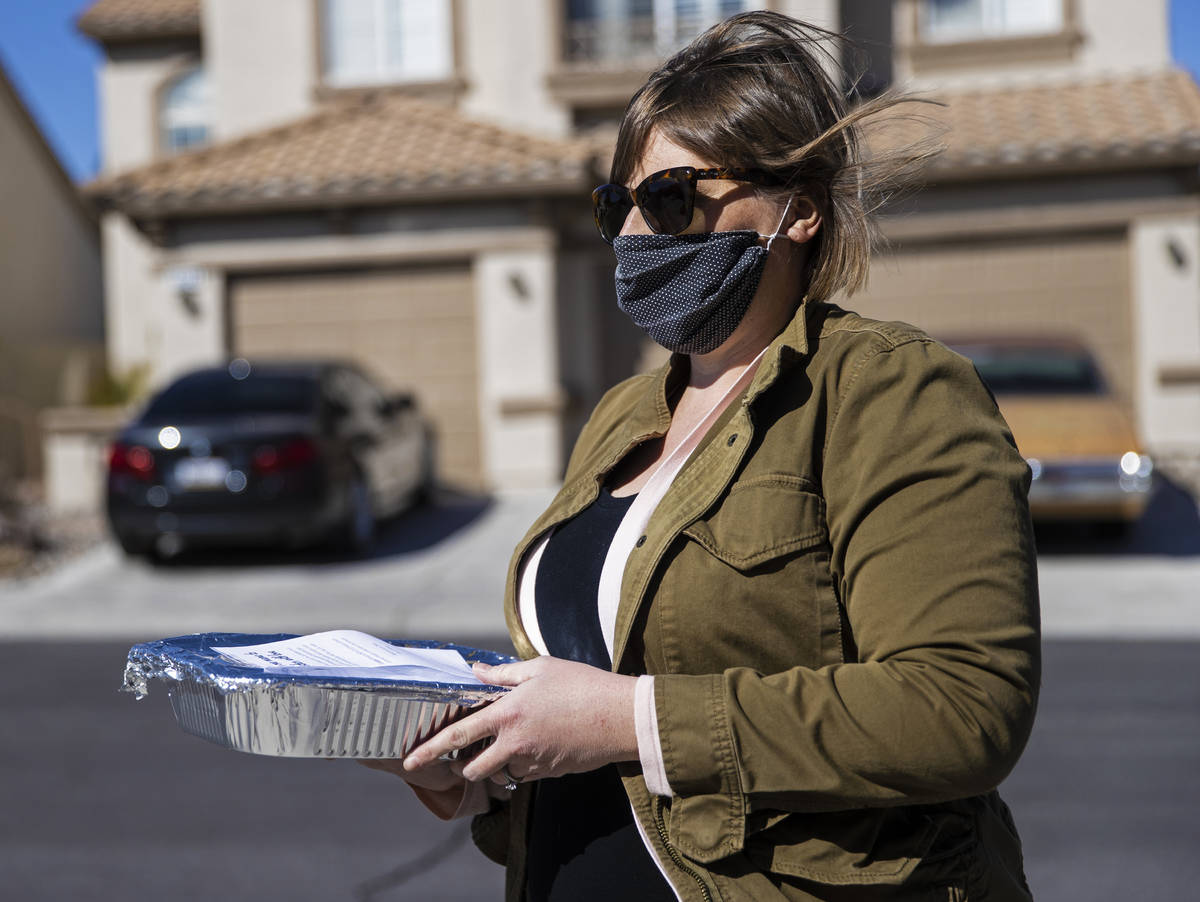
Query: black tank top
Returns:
{"type": "Point", "coordinates": [583, 843]}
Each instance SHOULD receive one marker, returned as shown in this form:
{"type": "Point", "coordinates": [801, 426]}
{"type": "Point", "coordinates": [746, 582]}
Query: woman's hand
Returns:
{"type": "Point", "coordinates": [561, 717]}
{"type": "Point", "coordinates": [436, 784]}
{"type": "Point", "coordinates": [436, 776]}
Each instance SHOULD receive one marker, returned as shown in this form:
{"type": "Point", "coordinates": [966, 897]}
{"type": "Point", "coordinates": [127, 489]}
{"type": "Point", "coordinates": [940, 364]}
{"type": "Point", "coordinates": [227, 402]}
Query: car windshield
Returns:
{"type": "Point", "coordinates": [1035, 370]}
{"type": "Point", "coordinates": [211, 395]}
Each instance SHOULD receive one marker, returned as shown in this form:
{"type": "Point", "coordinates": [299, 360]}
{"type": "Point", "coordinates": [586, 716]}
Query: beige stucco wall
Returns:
{"type": "Point", "coordinates": [824, 13]}
{"type": "Point", "coordinates": [1166, 286]}
{"type": "Point", "coordinates": [1120, 35]}
{"type": "Point", "coordinates": [506, 51]}
{"type": "Point", "coordinates": [129, 85]}
{"type": "Point", "coordinates": [51, 312]}
{"type": "Point", "coordinates": [128, 293]}
{"type": "Point", "coordinates": [518, 367]}
{"type": "Point", "coordinates": [74, 454]}
{"type": "Point", "coordinates": [140, 330]}
{"type": "Point", "coordinates": [1117, 37]}
{"type": "Point", "coordinates": [261, 58]}
{"type": "Point", "coordinates": [150, 323]}
{"type": "Point", "coordinates": [49, 250]}
{"type": "Point", "coordinates": [191, 330]}
{"type": "Point", "coordinates": [262, 62]}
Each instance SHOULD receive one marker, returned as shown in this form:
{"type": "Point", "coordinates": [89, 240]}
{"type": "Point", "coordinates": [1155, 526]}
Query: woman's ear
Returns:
{"type": "Point", "coordinates": [807, 222]}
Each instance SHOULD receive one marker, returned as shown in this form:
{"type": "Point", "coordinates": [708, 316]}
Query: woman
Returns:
{"type": "Point", "coordinates": [782, 616]}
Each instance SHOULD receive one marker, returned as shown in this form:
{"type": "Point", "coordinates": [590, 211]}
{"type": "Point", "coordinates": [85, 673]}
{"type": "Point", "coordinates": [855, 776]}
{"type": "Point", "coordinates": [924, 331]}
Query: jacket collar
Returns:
{"type": "Point", "coordinates": [788, 348]}
{"type": "Point", "coordinates": [651, 416]}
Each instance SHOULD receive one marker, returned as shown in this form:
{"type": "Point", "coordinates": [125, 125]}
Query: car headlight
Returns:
{"type": "Point", "coordinates": [1134, 464]}
{"type": "Point", "coordinates": [169, 437]}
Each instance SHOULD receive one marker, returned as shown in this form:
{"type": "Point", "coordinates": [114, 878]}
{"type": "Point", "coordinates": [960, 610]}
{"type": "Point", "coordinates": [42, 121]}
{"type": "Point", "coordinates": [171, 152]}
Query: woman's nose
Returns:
{"type": "Point", "coordinates": [635, 224]}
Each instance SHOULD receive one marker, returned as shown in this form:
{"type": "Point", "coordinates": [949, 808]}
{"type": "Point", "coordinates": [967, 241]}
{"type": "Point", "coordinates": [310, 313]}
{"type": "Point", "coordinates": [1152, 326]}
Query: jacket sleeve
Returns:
{"type": "Point", "coordinates": [933, 556]}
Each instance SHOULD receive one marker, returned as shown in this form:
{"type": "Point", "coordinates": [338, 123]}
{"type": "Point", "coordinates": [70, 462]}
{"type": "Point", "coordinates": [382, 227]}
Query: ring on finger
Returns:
{"type": "Point", "coordinates": [510, 782]}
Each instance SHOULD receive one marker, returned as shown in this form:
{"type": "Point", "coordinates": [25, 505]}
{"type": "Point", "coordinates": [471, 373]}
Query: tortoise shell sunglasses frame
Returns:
{"type": "Point", "coordinates": [665, 198]}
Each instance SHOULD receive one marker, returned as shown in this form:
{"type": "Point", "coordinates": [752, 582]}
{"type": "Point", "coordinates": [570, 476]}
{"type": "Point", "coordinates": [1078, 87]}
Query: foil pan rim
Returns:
{"type": "Point", "coordinates": [190, 658]}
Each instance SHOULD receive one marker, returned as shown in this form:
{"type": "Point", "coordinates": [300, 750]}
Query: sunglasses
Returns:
{"type": "Point", "coordinates": [666, 198]}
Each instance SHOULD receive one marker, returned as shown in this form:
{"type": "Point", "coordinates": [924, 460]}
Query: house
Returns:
{"type": "Point", "coordinates": [51, 325]}
{"type": "Point", "coordinates": [406, 182]}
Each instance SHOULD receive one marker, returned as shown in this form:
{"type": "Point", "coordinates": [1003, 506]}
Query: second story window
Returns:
{"type": "Point", "coordinates": [637, 31]}
{"type": "Point", "coordinates": [372, 42]}
{"type": "Point", "coordinates": [184, 113]}
{"type": "Point", "coordinates": [966, 20]}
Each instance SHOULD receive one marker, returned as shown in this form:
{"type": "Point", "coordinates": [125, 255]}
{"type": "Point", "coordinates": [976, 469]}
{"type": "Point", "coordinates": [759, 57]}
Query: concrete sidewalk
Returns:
{"type": "Point", "coordinates": [439, 573]}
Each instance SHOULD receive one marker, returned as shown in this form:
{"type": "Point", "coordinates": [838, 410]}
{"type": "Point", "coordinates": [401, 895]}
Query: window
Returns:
{"type": "Point", "coordinates": [371, 42]}
{"type": "Point", "coordinates": [1034, 369]}
{"type": "Point", "coordinates": [616, 30]}
{"type": "Point", "coordinates": [184, 112]}
{"type": "Point", "coordinates": [964, 20]}
{"type": "Point", "coordinates": [212, 394]}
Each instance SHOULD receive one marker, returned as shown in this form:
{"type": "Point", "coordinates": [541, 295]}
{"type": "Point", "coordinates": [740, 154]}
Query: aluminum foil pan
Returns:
{"type": "Point", "coordinates": [264, 713]}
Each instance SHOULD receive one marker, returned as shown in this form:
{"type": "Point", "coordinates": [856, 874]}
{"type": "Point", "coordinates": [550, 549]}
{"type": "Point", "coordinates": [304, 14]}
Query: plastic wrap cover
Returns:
{"type": "Point", "coordinates": [269, 713]}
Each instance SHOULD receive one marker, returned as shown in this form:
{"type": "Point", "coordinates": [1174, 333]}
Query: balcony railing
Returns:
{"type": "Point", "coordinates": [630, 40]}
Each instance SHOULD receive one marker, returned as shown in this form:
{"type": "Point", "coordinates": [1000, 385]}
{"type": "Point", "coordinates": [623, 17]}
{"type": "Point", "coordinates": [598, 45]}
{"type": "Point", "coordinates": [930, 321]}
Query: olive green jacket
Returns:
{"type": "Point", "coordinates": [838, 599]}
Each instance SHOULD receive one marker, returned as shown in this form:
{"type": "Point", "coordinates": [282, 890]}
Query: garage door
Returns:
{"type": "Point", "coordinates": [413, 328]}
{"type": "Point", "coordinates": [1078, 286]}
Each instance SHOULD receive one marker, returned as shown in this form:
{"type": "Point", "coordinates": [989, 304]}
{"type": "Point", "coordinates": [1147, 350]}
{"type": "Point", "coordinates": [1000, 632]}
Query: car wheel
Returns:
{"type": "Point", "coordinates": [358, 529]}
{"type": "Point", "coordinates": [1112, 530]}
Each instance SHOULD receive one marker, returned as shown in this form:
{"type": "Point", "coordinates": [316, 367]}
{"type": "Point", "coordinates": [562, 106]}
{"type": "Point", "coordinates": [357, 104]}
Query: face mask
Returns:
{"type": "Point", "coordinates": [690, 292]}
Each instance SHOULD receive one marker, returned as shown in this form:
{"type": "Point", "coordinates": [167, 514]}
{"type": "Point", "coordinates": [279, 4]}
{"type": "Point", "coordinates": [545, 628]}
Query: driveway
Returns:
{"type": "Point", "coordinates": [439, 572]}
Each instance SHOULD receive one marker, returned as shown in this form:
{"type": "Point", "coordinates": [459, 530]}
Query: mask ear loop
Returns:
{"type": "Point", "coordinates": [777, 233]}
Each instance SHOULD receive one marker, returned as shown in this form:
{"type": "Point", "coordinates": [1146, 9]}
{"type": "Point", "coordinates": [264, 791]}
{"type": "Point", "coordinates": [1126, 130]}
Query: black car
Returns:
{"type": "Point", "coordinates": [285, 454]}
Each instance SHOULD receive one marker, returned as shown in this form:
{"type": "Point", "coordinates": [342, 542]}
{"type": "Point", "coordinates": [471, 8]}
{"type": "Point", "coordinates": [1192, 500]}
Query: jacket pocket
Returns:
{"type": "Point", "coordinates": [863, 848]}
{"type": "Point", "coordinates": [761, 519]}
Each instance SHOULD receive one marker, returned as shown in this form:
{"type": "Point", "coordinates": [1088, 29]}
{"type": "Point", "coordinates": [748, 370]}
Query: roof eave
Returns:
{"type": "Point", "coordinates": [109, 35]}
{"type": "Point", "coordinates": [125, 39]}
{"type": "Point", "coordinates": [162, 208]}
{"type": "Point", "coordinates": [958, 170]}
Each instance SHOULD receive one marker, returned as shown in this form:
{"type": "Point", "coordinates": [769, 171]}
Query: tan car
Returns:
{"type": "Point", "coordinates": [1086, 460]}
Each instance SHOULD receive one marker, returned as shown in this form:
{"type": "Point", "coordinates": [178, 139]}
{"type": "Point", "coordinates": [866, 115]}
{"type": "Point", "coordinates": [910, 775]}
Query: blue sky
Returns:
{"type": "Point", "coordinates": [54, 68]}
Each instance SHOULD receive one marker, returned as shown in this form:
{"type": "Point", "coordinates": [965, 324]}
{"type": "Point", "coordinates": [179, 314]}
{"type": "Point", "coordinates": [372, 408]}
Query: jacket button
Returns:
{"type": "Point", "coordinates": [732, 439]}
{"type": "Point", "coordinates": [641, 541]}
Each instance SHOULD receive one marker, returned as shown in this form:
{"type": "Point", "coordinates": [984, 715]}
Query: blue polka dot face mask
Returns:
{"type": "Point", "coordinates": [690, 292]}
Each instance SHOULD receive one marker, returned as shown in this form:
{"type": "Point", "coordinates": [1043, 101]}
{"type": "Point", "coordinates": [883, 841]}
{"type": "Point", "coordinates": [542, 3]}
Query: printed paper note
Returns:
{"type": "Point", "coordinates": [352, 654]}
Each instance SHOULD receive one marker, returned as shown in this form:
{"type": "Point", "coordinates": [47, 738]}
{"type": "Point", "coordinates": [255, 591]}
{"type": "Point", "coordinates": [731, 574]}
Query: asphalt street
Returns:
{"type": "Point", "coordinates": [106, 800]}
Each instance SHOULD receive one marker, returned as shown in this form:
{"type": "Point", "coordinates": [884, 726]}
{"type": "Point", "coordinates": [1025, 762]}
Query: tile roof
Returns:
{"type": "Point", "coordinates": [1113, 122]}
{"type": "Point", "coordinates": [123, 20]}
{"type": "Point", "coordinates": [373, 148]}
{"type": "Point", "coordinates": [392, 147]}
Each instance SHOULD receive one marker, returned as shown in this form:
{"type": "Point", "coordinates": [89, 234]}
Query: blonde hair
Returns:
{"type": "Point", "coordinates": [758, 91]}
